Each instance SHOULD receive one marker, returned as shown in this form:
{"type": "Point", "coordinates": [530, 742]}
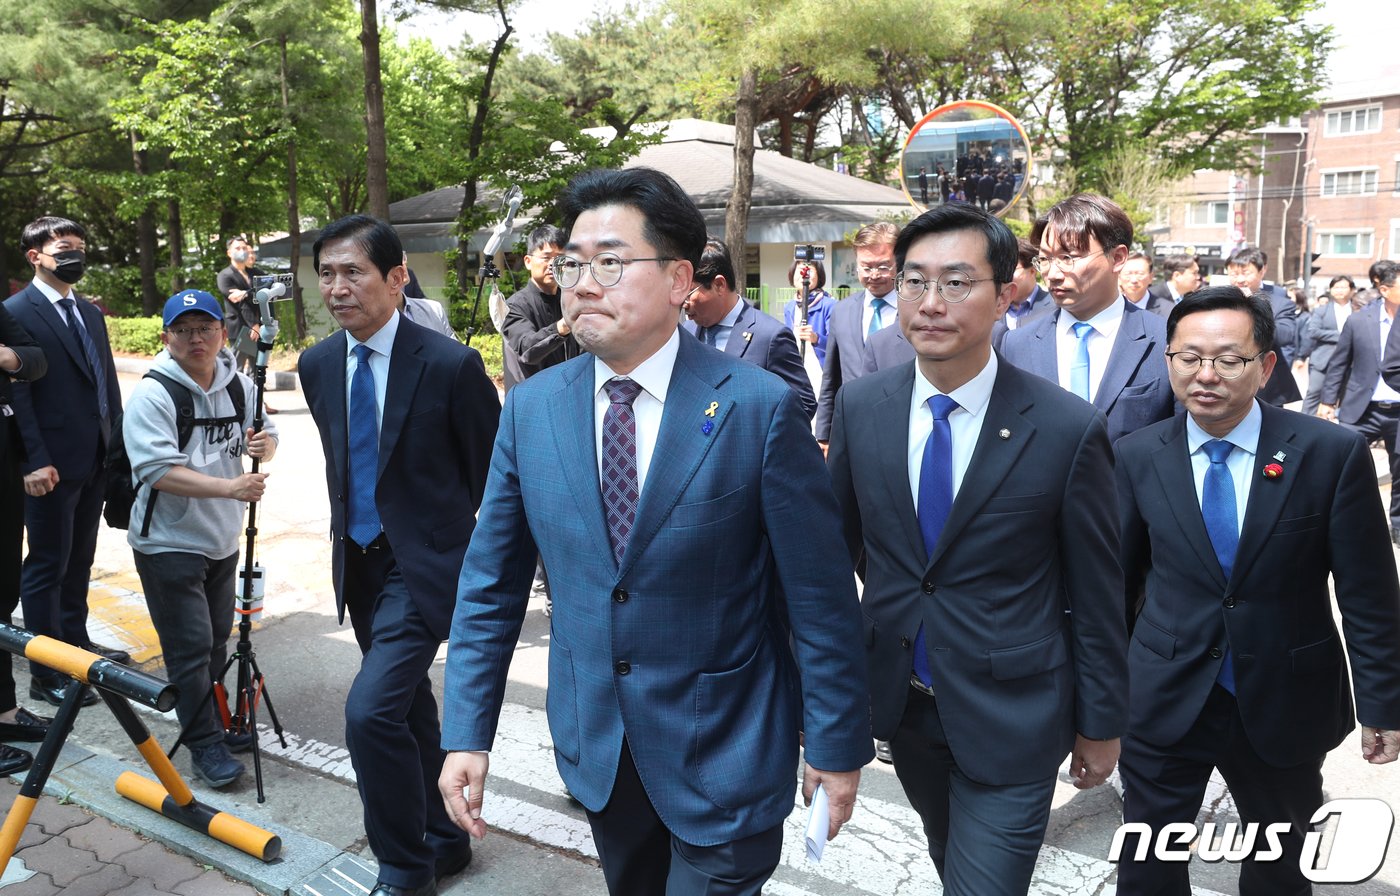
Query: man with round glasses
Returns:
{"type": "Point", "coordinates": [1234, 517]}
{"type": "Point", "coordinates": [1097, 345]}
{"type": "Point", "coordinates": [857, 318]}
{"type": "Point", "coordinates": [940, 464]}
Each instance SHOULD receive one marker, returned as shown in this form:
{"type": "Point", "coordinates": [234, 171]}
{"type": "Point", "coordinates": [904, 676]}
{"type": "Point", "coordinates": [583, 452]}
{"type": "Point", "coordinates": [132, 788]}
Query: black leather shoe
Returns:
{"type": "Point", "coordinates": [882, 751]}
{"type": "Point", "coordinates": [26, 726]}
{"type": "Point", "coordinates": [428, 889]}
{"type": "Point", "coordinates": [53, 693]}
{"type": "Point", "coordinates": [454, 862]}
{"type": "Point", "coordinates": [13, 759]}
{"type": "Point", "coordinates": [109, 653]}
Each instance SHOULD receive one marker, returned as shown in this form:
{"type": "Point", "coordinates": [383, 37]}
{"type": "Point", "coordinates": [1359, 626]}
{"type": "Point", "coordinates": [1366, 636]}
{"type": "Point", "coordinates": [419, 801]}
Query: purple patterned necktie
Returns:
{"type": "Point", "coordinates": [619, 478]}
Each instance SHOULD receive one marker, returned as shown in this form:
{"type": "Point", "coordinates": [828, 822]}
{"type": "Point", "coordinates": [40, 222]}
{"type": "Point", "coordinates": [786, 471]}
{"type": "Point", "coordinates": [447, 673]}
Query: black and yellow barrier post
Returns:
{"type": "Point", "coordinates": [117, 684]}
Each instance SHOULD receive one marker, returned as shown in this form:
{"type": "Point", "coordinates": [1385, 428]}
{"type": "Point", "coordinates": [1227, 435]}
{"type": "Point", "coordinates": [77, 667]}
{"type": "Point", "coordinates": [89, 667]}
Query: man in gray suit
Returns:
{"type": "Point", "coordinates": [1353, 392]}
{"type": "Point", "coordinates": [1320, 331]}
{"type": "Point", "coordinates": [1097, 345]}
{"type": "Point", "coordinates": [720, 318]}
{"type": "Point", "coordinates": [940, 464]}
{"type": "Point", "coordinates": [858, 318]}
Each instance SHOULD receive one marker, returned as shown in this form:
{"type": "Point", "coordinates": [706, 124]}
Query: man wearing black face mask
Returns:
{"type": "Point", "coordinates": [65, 420]}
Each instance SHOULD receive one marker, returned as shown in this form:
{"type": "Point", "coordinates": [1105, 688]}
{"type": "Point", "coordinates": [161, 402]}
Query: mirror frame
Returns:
{"type": "Point", "coordinates": [996, 111]}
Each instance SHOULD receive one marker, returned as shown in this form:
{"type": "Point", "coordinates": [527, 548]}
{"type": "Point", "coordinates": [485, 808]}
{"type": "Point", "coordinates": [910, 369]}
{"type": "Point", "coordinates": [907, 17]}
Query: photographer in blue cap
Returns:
{"type": "Point", "coordinates": [189, 509]}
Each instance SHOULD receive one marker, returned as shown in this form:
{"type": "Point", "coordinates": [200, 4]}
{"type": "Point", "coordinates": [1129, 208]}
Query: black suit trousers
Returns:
{"type": "Point", "coordinates": [1162, 785]}
{"type": "Point", "coordinates": [11, 540]}
{"type": "Point", "coordinates": [391, 722]}
{"type": "Point", "coordinates": [62, 541]}
{"type": "Point", "coordinates": [641, 857]}
{"type": "Point", "coordinates": [1380, 423]}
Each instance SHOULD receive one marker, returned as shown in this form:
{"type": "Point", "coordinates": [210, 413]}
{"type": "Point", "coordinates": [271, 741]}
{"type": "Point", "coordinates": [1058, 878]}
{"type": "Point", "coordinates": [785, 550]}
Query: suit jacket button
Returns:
{"type": "Point", "coordinates": [904, 642]}
{"type": "Point", "coordinates": [1216, 653]}
{"type": "Point", "coordinates": [929, 588]}
{"type": "Point", "coordinates": [1229, 603]}
{"type": "Point", "coordinates": [620, 595]}
{"type": "Point", "coordinates": [622, 667]}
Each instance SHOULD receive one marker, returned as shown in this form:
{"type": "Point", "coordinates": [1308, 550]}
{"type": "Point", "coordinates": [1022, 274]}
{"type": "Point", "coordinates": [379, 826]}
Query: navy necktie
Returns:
{"type": "Point", "coordinates": [619, 474]}
{"type": "Point", "coordinates": [95, 365]}
{"type": "Point", "coordinates": [1222, 524]}
{"type": "Point", "coordinates": [1079, 371]}
{"type": "Point", "coordinates": [362, 518]}
{"type": "Point", "coordinates": [935, 501]}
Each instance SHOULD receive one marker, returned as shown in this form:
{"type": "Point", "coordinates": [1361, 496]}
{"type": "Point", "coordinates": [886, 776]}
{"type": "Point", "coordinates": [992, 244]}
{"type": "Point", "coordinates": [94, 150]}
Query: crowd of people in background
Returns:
{"type": "Point", "coordinates": [1167, 610]}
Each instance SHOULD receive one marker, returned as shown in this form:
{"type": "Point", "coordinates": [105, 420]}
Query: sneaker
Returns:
{"type": "Point", "coordinates": [215, 765]}
{"type": "Point", "coordinates": [238, 741]}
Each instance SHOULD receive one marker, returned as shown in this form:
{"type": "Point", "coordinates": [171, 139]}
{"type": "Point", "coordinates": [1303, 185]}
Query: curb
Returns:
{"type": "Point", "coordinates": [87, 779]}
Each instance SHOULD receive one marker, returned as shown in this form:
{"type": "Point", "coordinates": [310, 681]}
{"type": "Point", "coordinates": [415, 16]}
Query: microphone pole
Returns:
{"type": "Point", "coordinates": [488, 271]}
{"type": "Point", "coordinates": [802, 304]}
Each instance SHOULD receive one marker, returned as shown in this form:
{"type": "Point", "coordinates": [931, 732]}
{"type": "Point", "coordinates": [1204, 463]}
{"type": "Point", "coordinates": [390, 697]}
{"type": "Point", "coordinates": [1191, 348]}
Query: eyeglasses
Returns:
{"type": "Point", "coordinates": [1226, 366]}
{"type": "Point", "coordinates": [190, 332]}
{"type": "Point", "coordinates": [1066, 263]}
{"type": "Point", "coordinates": [606, 268]}
{"type": "Point", "coordinates": [910, 286]}
{"type": "Point", "coordinates": [875, 268]}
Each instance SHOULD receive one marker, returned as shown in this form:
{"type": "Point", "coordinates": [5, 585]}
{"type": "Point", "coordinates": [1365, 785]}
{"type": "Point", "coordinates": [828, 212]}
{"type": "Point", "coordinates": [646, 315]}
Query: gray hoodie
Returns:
{"type": "Point", "coordinates": [207, 526]}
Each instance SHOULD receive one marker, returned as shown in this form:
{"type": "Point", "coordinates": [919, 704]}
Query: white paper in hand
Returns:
{"type": "Point", "coordinates": [818, 822]}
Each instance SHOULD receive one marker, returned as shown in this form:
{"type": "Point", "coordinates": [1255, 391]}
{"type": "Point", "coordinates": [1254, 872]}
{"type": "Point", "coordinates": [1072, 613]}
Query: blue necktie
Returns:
{"type": "Point", "coordinates": [99, 370]}
{"type": "Point", "coordinates": [1079, 373]}
{"type": "Point", "coordinates": [362, 518]}
{"type": "Point", "coordinates": [877, 307]}
{"type": "Point", "coordinates": [619, 475]}
{"type": "Point", "coordinates": [1222, 524]}
{"type": "Point", "coordinates": [935, 501]}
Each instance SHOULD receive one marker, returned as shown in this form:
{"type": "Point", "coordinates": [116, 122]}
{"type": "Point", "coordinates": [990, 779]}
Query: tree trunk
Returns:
{"type": "Point", "coordinates": [293, 210]}
{"type": "Point", "coordinates": [376, 154]}
{"type": "Point", "coordinates": [176, 236]}
{"type": "Point", "coordinates": [736, 216]}
{"type": "Point", "coordinates": [145, 239]}
{"type": "Point", "coordinates": [475, 140]}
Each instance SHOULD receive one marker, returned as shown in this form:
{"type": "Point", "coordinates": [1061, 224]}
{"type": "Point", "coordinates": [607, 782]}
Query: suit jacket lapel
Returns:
{"type": "Point", "coordinates": [1126, 356]}
{"type": "Point", "coordinates": [1043, 360]}
{"type": "Point", "coordinates": [681, 443]}
{"type": "Point", "coordinates": [572, 415]}
{"type": "Point", "coordinates": [992, 458]}
{"type": "Point", "coordinates": [333, 375]}
{"type": "Point", "coordinates": [741, 334]}
{"type": "Point", "coordinates": [892, 451]}
{"type": "Point", "coordinates": [51, 316]}
{"type": "Point", "coordinates": [1172, 461]}
{"type": "Point", "coordinates": [1267, 496]}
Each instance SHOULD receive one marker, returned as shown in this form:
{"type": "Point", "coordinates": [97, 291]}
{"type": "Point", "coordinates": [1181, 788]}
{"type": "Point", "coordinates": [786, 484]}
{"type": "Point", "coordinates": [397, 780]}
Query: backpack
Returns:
{"type": "Point", "coordinates": [120, 491]}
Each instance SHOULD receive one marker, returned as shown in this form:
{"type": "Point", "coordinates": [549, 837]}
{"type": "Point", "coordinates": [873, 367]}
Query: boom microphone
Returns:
{"type": "Point", "coordinates": [512, 199]}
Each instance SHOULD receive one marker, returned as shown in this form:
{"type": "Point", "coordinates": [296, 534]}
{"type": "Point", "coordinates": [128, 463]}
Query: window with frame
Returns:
{"type": "Point", "coordinates": [1357, 120]}
{"type": "Point", "coordinates": [1359, 182]}
{"type": "Point", "coordinates": [1207, 214]}
{"type": "Point", "coordinates": [1351, 244]}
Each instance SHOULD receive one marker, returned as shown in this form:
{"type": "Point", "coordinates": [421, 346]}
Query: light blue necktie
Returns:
{"type": "Point", "coordinates": [1079, 373]}
{"type": "Point", "coordinates": [935, 502]}
{"type": "Point", "coordinates": [877, 307]}
{"type": "Point", "coordinates": [1222, 524]}
{"type": "Point", "coordinates": [362, 516]}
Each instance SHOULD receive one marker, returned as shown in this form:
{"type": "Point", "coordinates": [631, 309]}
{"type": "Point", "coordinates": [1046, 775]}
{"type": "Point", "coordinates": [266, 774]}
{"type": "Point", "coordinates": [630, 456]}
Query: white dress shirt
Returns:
{"type": "Point", "coordinates": [1105, 324]}
{"type": "Point", "coordinates": [1245, 438]}
{"type": "Point", "coordinates": [382, 344]}
{"type": "Point", "coordinates": [654, 376]}
{"type": "Point", "coordinates": [725, 327]}
{"type": "Point", "coordinates": [54, 298]}
{"type": "Point", "coordinates": [1383, 391]}
{"type": "Point", "coordinates": [965, 422]}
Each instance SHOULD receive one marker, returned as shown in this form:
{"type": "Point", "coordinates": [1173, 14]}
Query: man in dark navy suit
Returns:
{"type": "Point", "coordinates": [1032, 301]}
{"type": "Point", "coordinates": [1246, 268]}
{"type": "Point", "coordinates": [720, 318]}
{"type": "Point", "coordinates": [1234, 517]}
{"type": "Point", "coordinates": [407, 417]}
{"type": "Point", "coordinates": [64, 421]}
